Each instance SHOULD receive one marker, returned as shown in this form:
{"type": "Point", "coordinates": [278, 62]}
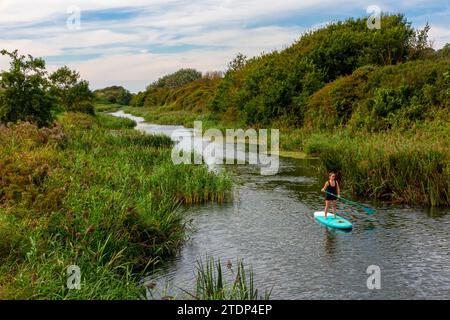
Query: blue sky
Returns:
{"type": "Point", "coordinates": [132, 43]}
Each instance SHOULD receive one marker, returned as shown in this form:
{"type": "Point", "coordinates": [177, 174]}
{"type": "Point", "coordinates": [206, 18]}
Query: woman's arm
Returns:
{"type": "Point", "coordinates": [338, 189]}
{"type": "Point", "coordinates": [324, 187]}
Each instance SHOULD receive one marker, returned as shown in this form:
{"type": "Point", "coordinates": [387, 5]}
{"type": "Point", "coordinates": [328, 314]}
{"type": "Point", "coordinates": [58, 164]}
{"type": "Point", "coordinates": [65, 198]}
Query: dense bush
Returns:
{"type": "Point", "coordinates": [177, 79]}
{"type": "Point", "coordinates": [193, 96]}
{"type": "Point", "coordinates": [113, 94]}
{"type": "Point", "coordinates": [379, 98]}
{"type": "Point", "coordinates": [27, 159]}
{"type": "Point", "coordinates": [24, 93]}
{"type": "Point", "coordinates": [138, 99]}
{"type": "Point", "coordinates": [93, 193]}
{"type": "Point", "coordinates": [277, 85]}
{"type": "Point", "coordinates": [399, 96]}
{"type": "Point", "coordinates": [72, 93]}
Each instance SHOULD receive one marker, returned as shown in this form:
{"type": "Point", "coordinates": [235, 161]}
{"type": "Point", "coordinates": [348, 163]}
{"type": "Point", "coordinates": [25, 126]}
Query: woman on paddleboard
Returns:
{"type": "Point", "coordinates": [332, 190]}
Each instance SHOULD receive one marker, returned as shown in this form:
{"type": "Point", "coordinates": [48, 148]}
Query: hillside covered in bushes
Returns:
{"type": "Point", "coordinates": [113, 94]}
{"type": "Point", "coordinates": [280, 85]}
{"type": "Point", "coordinates": [339, 90]}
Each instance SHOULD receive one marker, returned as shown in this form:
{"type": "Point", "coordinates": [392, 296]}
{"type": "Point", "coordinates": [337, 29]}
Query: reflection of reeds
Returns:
{"type": "Point", "coordinates": [211, 285]}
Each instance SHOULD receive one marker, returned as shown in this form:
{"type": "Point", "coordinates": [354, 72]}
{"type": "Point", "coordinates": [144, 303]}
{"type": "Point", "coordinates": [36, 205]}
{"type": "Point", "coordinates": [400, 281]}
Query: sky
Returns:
{"type": "Point", "coordinates": [133, 43]}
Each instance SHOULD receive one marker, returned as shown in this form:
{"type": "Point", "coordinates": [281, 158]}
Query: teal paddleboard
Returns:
{"type": "Point", "coordinates": [338, 223]}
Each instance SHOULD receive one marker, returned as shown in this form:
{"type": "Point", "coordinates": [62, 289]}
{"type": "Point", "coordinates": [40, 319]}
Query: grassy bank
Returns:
{"type": "Point", "coordinates": [393, 166]}
{"type": "Point", "coordinates": [374, 105]}
{"type": "Point", "coordinates": [409, 166]}
{"type": "Point", "coordinates": [168, 115]}
{"type": "Point", "coordinates": [93, 193]}
{"type": "Point", "coordinates": [107, 107]}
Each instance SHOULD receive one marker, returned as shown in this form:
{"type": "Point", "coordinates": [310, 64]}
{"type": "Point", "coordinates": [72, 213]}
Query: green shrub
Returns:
{"type": "Point", "coordinates": [24, 94]}
{"type": "Point", "coordinates": [278, 84]}
{"type": "Point", "coordinates": [114, 95]}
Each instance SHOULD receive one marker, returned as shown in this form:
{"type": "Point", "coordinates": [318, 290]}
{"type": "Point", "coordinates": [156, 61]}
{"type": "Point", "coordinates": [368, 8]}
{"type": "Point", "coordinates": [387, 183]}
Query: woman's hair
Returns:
{"type": "Point", "coordinates": [331, 173]}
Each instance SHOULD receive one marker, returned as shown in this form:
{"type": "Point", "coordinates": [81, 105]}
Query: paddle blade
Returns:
{"type": "Point", "coordinates": [369, 211]}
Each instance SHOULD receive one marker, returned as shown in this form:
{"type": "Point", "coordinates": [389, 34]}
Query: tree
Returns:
{"type": "Point", "coordinates": [238, 62]}
{"type": "Point", "coordinates": [24, 95]}
{"type": "Point", "coordinates": [421, 47]}
{"type": "Point", "coordinates": [177, 79]}
{"type": "Point", "coordinates": [113, 94]}
{"type": "Point", "coordinates": [444, 52]}
{"type": "Point", "coordinates": [73, 94]}
{"type": "Point", "coordinates": [138, 99]}
{"type": "Point", "coordinates": [124, 97]}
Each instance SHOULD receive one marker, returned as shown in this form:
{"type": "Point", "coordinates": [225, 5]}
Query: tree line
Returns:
{"type": "Point", "coordinates": [28, 92]}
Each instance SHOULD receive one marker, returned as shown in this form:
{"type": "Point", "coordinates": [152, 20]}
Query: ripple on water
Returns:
{"type": "Point", "coordinates": [270, 225]}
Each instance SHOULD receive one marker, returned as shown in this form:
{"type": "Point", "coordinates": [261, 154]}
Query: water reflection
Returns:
{"type": "Point", "coordinates": [270, 224]}
{"type": "Point", "coordinates": [330, 241]}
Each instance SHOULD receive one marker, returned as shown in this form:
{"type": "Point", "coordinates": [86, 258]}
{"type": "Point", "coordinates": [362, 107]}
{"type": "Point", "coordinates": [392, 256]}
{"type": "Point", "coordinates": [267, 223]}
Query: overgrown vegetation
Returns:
{"type": "Point", "coordinates": [346, 84]}
{"type": "Point", "coordinates": [277, 85]}
{"type": "Point", "coordinates": [185, 89]}
{"type": "Point", "coordinates": [27, 93]}
{"type": "Point", "coordinates": [24, 91]}
{"type": "Point", "coordinates": [90, 192]}
{"type": "Point", "coordinates": [72, 93]}
{"type": "Point", "coordinates": [114, 94]}
{"type": "Point", "coordinates": [212, 283]}
{"type": "Point", "coordinates": [381, 98]}
{"type": "Point", "coordinates": [395, 167]}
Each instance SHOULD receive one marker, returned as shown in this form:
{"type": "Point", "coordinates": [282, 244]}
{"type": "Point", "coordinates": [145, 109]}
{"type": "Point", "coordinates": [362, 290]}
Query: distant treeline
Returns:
{"type": "Point", "coordinates": [373, 104]}
{"type": "Point", "coordinates": [113, 94]}
{"type": "Point", "coordinates": [29, 93]}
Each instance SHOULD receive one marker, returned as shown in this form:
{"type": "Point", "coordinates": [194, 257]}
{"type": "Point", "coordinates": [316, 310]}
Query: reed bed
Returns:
{"type": "Point", "coordinates": [93, 193]}
{"type": "Point", "coordinates": [394, 166]}
{"type": "Point", "coordinates": [212, 284]}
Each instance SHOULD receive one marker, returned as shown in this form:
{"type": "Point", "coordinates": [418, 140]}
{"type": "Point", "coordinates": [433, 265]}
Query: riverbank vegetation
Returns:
{"type": "Point", "coordinates": [113, 95]}
{"type": "Point", "coordinates": [84, 190]}
{"type": "Point", "coordinates": [372, 104]}
{"type": "Point", "coordinates": [212, 282]}
{"type": "Point", "coordinates": [91, 192]}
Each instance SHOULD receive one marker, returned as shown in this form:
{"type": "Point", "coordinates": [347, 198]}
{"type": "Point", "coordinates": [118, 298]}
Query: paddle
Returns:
{"type": "Point", "coordinates": [365, 208]}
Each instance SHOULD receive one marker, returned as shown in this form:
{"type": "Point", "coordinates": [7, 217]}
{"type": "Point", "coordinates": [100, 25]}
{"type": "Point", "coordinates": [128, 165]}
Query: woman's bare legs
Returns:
{"type": "Point", "coordinates": [334, 208]}
{"type": "Point", "coordinates": [326, 208]}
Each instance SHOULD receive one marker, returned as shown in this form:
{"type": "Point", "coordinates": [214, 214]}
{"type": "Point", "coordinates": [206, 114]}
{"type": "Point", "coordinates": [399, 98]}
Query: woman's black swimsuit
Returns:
{"type": "Point", "coordinates": [332, 190]}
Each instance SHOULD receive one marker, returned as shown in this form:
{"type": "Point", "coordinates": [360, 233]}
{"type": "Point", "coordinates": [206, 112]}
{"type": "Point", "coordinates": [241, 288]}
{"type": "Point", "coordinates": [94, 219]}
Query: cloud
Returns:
{"type": "Point", "coordinates": [141, 67]}
{"type": "Point", "coordinates": [133, 43]}
{"type": "Point", "coordinates": [439, 35]}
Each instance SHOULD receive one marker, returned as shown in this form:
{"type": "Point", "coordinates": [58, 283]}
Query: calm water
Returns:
{"type": "Point", "coordinates": [270, 225]}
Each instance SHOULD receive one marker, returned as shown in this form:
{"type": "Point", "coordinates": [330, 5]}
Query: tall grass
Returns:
{"type": "Point", "coordinates": [107, 107]}
{"type": "Point", "coordinates": [192, 184]}
{"type": "Point", "coordinates": [108, 122]}
{"type": "Point", "coordinates": [212, 284]}
{"type": "Point", "coordinates": [391, 166]}
{"type": "Point", "coordinates": [92, 193]}
{"type": "Point", "coordinates": [167, 114]}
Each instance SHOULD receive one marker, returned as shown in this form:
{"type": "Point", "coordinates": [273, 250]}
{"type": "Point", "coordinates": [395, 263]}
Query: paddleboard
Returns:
{"type": "Point", "coordinates": [338, 223]}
